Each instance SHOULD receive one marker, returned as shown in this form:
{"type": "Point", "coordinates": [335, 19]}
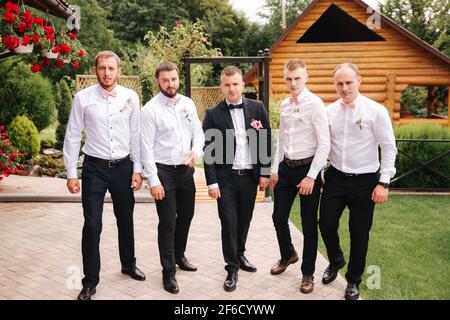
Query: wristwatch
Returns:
{"type": "Point", "coordinates": [384, 184]}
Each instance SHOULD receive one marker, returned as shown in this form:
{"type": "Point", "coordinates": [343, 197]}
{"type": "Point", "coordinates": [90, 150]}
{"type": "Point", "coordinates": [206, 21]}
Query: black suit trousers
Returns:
{"type": "Point", "coordinates": [354, 192]}
{"type": "Point", "coordinates": [235, 208]}
{"type": "Point", "coordinates": [285, 192]}
{"type": "Point", "coordinates": [175, 212]}
{"type": "Point", "coordinates": [96, 180]}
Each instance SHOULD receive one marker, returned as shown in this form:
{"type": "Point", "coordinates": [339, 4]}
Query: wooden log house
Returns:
{"type": "Point", "coordinates": [390, 58]}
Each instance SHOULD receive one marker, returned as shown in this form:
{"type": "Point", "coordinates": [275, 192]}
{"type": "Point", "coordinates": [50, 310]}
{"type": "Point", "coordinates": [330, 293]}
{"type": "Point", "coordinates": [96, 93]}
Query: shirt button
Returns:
{"type": "Point", "coordinates": [110, 127]}
{"type": "Point", "coordinates": [111, 139]}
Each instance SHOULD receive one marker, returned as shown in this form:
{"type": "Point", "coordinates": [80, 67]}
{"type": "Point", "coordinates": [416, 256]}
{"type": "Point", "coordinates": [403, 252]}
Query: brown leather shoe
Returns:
{"type": "Point", "coordinates": [307, 285]}
{"type": "Point", "coordinates": [281, 264]}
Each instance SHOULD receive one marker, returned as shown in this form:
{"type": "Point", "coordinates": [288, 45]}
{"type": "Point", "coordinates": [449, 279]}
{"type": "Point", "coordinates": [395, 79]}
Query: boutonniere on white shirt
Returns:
{"type": "Point", "coordinates": [127, 105]}
{"type": "Point", "coordinates": [186, 113]}
{"type": "Point", "coordinates": [358, 122]}
{"type": "Point", "coordinates": [256, 124]}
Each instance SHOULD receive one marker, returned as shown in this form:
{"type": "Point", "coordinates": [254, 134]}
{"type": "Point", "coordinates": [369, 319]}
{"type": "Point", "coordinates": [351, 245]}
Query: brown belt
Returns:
{"type": "Point", "coordinates": [297, 163]}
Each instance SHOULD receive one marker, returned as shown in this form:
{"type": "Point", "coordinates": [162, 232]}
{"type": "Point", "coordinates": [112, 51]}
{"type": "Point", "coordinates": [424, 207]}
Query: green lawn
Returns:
{"type": "Point", "coordinates": [409, 242]}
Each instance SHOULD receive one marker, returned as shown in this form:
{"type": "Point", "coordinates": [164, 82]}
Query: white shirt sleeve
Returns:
{"type": "Point", "coordinates": [385, 137]}
{"type": "Point", "coordinates": [279, 150]}
{"type": "Point", "coordinates": [321, 130]}
{"type": "Point", "coordinates": [135, 143]}
{"type": "Point", "coordinates": [72, 139]}
{"type": "Point", "coordinates": [148, 125]}
{"type": "Point", "coordinates": [199, 136]}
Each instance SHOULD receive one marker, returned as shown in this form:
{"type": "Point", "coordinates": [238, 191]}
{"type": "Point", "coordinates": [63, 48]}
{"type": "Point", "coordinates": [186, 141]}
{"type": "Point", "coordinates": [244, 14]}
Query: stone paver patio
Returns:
{"type": "Point", "coordinates": [40, 256]}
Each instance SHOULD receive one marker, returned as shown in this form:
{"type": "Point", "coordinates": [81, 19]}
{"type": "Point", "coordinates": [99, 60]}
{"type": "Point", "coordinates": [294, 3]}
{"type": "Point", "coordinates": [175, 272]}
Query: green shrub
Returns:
{"type": "Point", "coordinates": [26, 93]}
{"type": "Point", "coordinates": [63, 113]}
{"type": "Point", "coordinates": [25, 136]}
{"type": "Point", "coordinates": [51, 165]}
{"type": "Point", "coordinates": [423, 152]}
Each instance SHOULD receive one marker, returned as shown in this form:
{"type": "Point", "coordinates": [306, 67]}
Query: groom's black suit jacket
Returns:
{"type": "Point", "coordinates": [219, 118]}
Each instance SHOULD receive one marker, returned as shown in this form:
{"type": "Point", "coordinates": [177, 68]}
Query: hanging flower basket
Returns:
{"type": "Point", "coordinates": [24, 49]}
{"type": "Point", "coordinates": [49, 54]}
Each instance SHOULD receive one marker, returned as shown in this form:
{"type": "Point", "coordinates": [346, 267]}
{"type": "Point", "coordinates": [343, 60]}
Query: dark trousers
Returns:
{"type": "Point", "coordinates": [96, 180]}
{"type": "Point", "coordinates": [175, 213]}
{"type": "Point", "coordinates": [235, 208]}
{"type": "Point", "coordinates": [285, 192]}
{"type": "Point", "coordinates": [354, 192]}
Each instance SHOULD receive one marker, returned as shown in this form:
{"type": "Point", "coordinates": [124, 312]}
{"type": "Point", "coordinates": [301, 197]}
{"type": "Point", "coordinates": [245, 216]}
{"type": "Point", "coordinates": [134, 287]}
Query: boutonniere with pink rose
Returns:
{"type": "Point", "coordinates": [256, 124]}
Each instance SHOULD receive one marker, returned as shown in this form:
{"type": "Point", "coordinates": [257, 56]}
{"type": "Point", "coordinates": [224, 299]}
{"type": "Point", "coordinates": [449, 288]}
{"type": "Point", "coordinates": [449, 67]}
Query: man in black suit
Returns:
{"type": "Point", "coordinates": [237, 158]}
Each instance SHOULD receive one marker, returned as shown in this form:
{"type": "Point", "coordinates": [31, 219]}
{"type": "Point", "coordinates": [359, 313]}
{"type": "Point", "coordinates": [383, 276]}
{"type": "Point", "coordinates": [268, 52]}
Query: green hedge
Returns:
{"type": "Point", "coordinates": [24, 92]}
{"type": "Point", "coordinates": [25, 136]}
{"type": "Point", "coordinates": [422, 151]}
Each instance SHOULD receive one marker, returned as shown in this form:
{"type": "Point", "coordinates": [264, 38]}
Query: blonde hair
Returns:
{"type": "Point", "coordinates": [294, 64]}
{"type": "Point", "coordinates": [107, 54]}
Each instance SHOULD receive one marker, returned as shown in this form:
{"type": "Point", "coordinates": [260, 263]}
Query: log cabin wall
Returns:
{"type": "Point", "coordinates": [387, 67]}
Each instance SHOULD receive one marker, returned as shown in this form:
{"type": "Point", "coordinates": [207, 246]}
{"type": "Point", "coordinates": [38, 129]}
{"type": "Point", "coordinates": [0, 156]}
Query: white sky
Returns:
{"type": "Point", "coordinates": [251, 7]}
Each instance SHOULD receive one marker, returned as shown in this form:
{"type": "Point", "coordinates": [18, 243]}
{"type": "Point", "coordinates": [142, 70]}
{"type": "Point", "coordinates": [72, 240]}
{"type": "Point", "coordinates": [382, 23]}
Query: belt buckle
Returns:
{"type": "Point", "coordinates": [111, 163]}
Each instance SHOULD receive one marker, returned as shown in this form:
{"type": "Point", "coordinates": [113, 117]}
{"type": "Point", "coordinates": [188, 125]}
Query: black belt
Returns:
{"type": "Point", "coordinates": [171, 166]}
{"type": "Point", "coordinates": [241, 172]}
{"type": "Point", "coordinates": [108, 163]}
{"type": "Point", "coordinates": [351, 174]}
{"type": "Point", "coordinates": [297, 163]}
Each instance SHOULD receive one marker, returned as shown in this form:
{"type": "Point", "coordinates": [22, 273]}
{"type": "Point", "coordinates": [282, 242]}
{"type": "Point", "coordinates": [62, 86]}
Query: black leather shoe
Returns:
{"type": "Point", "coordinates": [184, 264]}
{"type": "Point", "coordinates": [230, 282]}
{"type": "Point", "coordinates": [135, 273]}
{"type": "Point", "coordinates": [170, 284]}
{"type": "Point", "coordinates": [331, 273]}
{"type": "Point", "coordinates": [352, 291]}
{"type": "Point", "coordinates": [86, 293]}
{"type": "Point", "coordinates": [245, 264]}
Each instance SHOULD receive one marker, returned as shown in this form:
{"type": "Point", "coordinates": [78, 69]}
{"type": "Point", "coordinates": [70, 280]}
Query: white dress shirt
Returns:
{"type": "Point", "coordinates": [111, 125]}
{"type": "Point", "coordinates": [356, 133]}
{"type": "Point", "coordinates": [303, 132]}
{"type": "Point", "coordinates": [170, 130]}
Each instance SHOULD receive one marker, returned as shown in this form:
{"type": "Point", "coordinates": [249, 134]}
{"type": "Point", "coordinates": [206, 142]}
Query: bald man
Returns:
{"type": "Point", "coordinates": [356, 179]}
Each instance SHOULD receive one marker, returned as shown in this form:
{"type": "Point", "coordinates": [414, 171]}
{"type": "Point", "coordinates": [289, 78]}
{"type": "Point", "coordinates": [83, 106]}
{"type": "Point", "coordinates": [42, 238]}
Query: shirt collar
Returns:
{"type": "Point", "coordinates": [170, 101]}
{"type": "Point", "coordinates": [228, 102]}
{"type": "Point", "coordinates": [100, 88]}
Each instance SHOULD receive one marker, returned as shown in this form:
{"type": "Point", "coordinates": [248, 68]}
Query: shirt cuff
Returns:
{"type": "Point", "coordinates": [153, 181]}
{"type": "Point", "coordinates": [312, 173]}
{"type": "Point", "coordinates": [213, 186]}
{"type": "Point", "coordinates": [137, 167]}
{"type": "Point", "coordinates": [72, 173]}
{"type": "Point", "coordinates": [385, 178]}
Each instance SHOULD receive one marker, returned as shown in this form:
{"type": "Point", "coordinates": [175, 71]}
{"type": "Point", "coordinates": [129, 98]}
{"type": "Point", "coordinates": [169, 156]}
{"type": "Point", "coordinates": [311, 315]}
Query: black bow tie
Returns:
{"type": "Point", "coordinates": [235, 106]}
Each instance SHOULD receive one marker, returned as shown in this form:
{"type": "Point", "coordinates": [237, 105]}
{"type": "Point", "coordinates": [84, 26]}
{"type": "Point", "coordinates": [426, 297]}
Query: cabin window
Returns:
{"type": "Point", "coordinates": [335, 25]}
{"type": "Point", "coordinates": [429, 102]}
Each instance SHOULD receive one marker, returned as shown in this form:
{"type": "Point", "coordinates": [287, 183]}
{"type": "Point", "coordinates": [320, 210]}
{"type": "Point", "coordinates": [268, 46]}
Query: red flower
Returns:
{"type": "Point", "coordinates": [75, 64]}
{"type": "Point", "coordinates": [58, 63]}
{"type": "Point", "coordinates": [36, 38]}
{"type": "Point", "coordinates": [2, 128]}
{"type": "Point", "coordinates": [46, 61]}
{"type": "Point", "coordinates": [27, 17]}
{"type": "Point", "coordinates": [9, 6]}
{"type": "Point", "coordinates": [36, 68]}
{"type": "Point", "coordinates": [81, 54]}
{"type": "Point", "coordinates": [9, 17]}
{"type": "Point", "coordinates": [11, 42]}
{"type": "Point", "coordinates": [178, 22]}
{"type": "Point", "coordinates": [26, 40]}
{"type": "Point", "coordinates": [38, 21]}
{"type": "Point", "coordinates": [64, 48]}
{"type": "Point", "coordinates": [22, 27]}
{"type": "Point", "coordinates": [72, 35]}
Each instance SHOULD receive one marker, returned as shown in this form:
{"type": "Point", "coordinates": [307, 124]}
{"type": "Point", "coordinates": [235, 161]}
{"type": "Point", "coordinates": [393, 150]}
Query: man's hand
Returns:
{"type": "Point", "coordinates": [273, 180]}
{"type": "Point", "coordinates": [191, 159]}
{"type": "Point", "coordinates": [158, 192]}
{"type": "Point", "coordinates": [380, 194]}
{"type": "Point", "coordinates": [214, 193]}
{"type": "Point", "coordinates": [306, 186]}
{"type": "Point", "coordinates": [73, 185]}
{"type": "Point", "coordinates": [136, 182]}
{"type": "Point", "coordinates": [263, 183]}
